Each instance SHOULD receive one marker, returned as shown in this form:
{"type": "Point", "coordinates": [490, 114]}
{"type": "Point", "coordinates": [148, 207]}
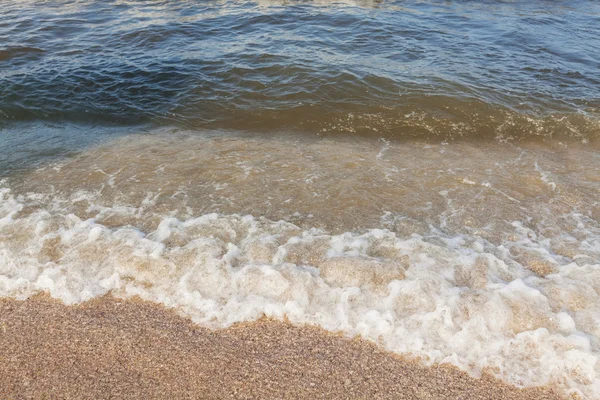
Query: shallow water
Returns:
{"type": "Point", "coordinates": [424, 174]}
{"type": "Point", "coordinates": [483, 255]}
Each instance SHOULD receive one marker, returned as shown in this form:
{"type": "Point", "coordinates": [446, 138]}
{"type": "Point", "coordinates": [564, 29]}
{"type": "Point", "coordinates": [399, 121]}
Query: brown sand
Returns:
{"type": "Point", "coordinates": [111, 348]}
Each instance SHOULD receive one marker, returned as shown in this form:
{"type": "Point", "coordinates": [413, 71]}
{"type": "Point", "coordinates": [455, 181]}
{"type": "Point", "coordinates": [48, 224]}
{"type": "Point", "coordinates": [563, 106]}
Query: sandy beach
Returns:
{"type": "Point", "coordinates": [111, 348]}
{"type": "Point", "coordinates": [315, 199]}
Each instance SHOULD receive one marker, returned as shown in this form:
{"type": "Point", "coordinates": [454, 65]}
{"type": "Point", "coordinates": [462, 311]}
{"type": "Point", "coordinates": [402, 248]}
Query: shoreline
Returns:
{"type": "Point", "coordinates": [108, 348]}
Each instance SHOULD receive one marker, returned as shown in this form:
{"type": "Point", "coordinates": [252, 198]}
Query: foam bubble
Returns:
{"type": "Point", "coordinates": [456, 299]}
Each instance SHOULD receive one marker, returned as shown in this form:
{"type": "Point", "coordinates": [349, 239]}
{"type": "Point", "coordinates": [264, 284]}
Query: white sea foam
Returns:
{"type": "Point", "coordinates": [460, 299]}
{"type": "Point", "coordinates": [545, 177]}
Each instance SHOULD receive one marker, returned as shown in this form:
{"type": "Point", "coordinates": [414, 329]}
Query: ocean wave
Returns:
{"type": "Point", "coordinates": [386, 69]}
{"type": "Point", "coordinates": [455, 121]}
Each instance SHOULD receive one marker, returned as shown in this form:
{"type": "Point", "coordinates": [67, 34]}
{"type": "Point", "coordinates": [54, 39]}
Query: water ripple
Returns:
{"type": "Point", "coordinates": [465, 69]}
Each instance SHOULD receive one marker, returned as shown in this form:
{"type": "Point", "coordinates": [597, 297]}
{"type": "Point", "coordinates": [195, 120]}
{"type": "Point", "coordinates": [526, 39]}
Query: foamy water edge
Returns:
{"type": "Point", "coordinates": [459, 300]}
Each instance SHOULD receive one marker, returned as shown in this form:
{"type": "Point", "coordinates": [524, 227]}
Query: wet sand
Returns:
{"type": "Point", "coordinates": [111, 348]}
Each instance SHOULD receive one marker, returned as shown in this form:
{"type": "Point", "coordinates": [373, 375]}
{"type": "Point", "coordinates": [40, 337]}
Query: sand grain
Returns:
{"type": "Point", "coordinates": [110, 348]}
